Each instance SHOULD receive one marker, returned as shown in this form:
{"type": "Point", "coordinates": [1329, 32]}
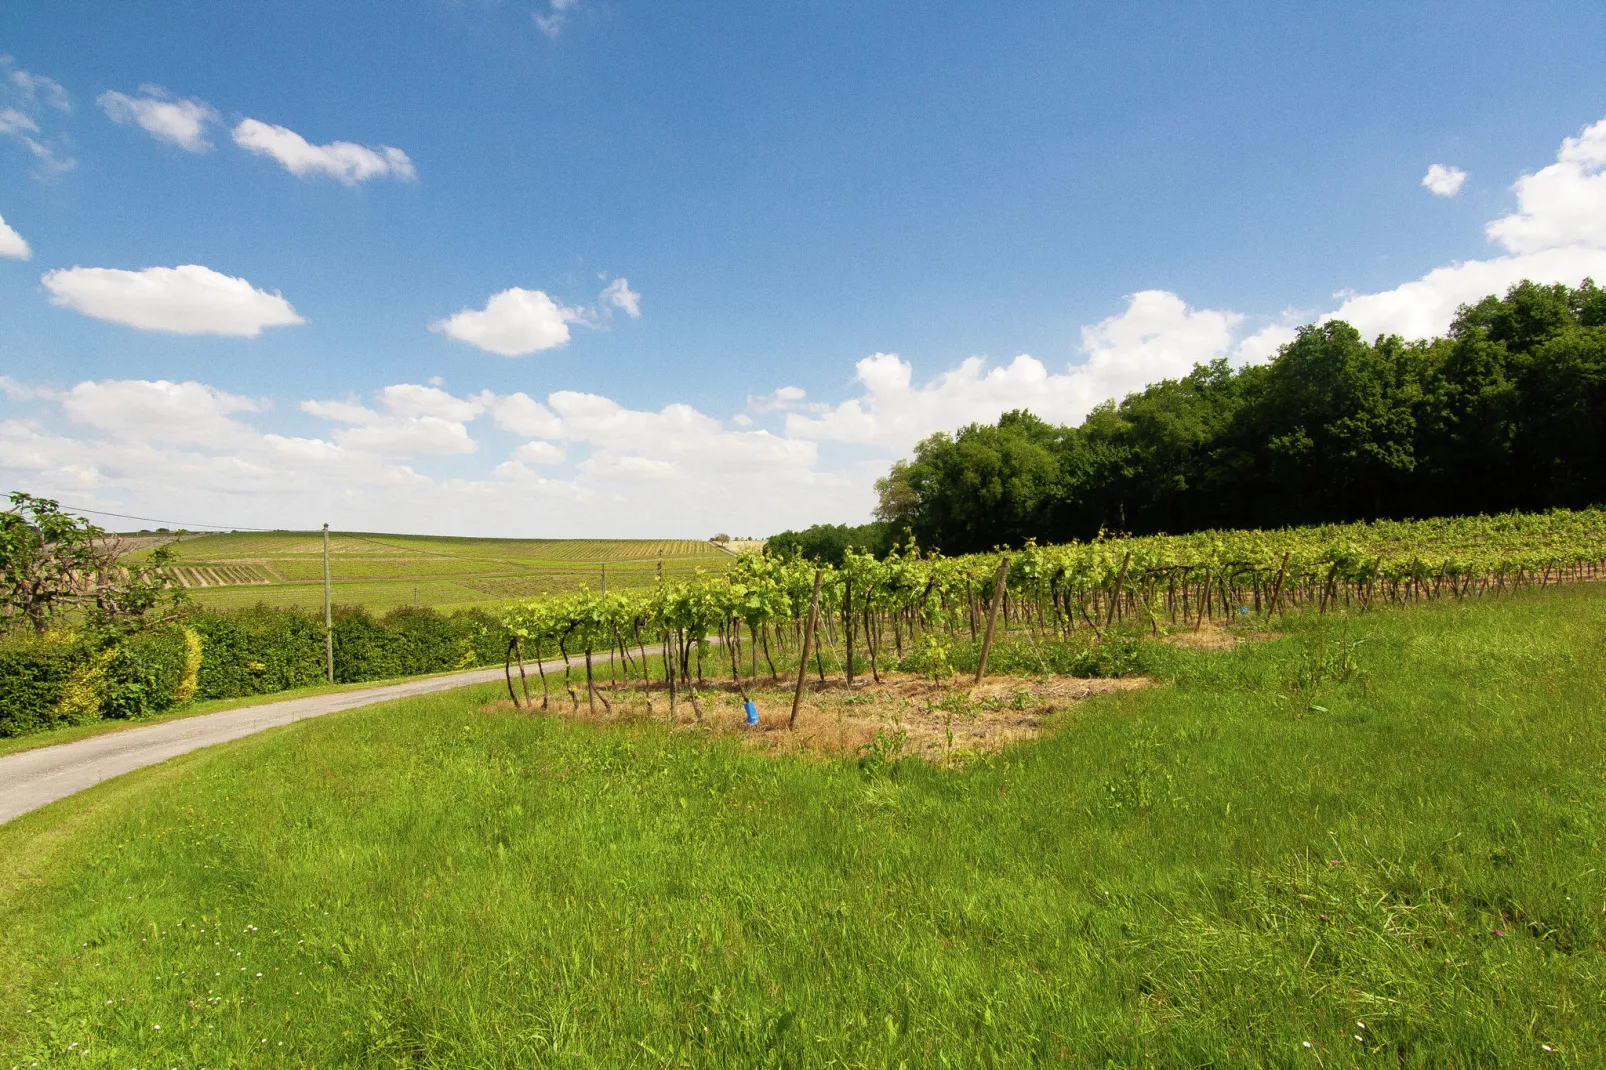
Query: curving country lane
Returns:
{"type": "Point", "coordinates": [34, 778]}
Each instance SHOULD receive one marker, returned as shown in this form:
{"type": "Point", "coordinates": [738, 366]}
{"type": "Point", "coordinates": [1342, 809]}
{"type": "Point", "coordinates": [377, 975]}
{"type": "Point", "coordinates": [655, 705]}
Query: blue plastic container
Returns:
{"type": "Point", "coordinates": [752, 713]}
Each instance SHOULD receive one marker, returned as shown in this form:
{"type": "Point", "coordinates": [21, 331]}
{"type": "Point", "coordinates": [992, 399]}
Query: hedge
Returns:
{"type": "Point", "coordinates": [72, 677]}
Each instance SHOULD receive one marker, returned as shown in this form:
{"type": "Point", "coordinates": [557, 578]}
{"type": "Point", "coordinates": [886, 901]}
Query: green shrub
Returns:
{"type": "Point", "coordinates": [143, 673]}
{"type": "Point", "coordinates": [257, 651]}
{"type": "Point", "coordinates": [70, 677]}
{"type": "Point", "coordinates": [34, 670]}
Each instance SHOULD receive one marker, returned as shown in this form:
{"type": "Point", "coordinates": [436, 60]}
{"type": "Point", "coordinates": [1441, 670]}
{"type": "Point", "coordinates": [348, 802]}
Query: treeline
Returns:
{"type": "Point", "coordinates": [77, 674]}
{"type": "Point", "coordinates": [1506, 412]}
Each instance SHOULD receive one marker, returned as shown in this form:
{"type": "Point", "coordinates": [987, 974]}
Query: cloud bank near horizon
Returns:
{"type": "Point", "coordinates": [573, 463]}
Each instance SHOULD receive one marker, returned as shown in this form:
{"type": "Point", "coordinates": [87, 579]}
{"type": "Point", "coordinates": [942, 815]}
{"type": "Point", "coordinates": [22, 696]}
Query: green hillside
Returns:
{"type": "Point", "coordinates": [285, 568]}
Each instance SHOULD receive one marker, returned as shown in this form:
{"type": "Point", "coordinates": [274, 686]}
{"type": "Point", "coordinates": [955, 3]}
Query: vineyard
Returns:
{"type": "Point", "coordinates": [916, 609]}
{"type": "Point", "coordinates": [382, 572]}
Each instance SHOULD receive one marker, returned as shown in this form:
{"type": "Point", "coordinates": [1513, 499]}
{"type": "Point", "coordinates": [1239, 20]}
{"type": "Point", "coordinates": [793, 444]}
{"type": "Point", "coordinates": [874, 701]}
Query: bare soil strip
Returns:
{"type": "Point", "coordinates": [904, 715]}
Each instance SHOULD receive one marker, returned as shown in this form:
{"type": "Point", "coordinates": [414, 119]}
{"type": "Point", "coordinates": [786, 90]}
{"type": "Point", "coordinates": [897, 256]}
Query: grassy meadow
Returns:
{"type": "Point", "coordinates": [1370, 840]}
{"type": "Point", "coordinates": [381, 572]}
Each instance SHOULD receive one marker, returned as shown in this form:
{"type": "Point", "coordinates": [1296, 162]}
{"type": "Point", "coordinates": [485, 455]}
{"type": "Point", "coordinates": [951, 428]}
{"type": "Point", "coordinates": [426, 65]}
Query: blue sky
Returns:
{"type": "Point", "coordinates": [839, 227]}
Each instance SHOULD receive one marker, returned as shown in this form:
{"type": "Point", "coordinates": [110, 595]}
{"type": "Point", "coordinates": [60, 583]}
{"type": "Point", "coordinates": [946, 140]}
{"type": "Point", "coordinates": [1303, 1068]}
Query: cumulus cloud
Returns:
{"type": "Point", "coordinates": [1442, 181]}
{"type": "Point", "coordinates": [160, 411]}
{"type": "Point", "coordinates": [1157, 336]}
{"type": "Point", "coordinates": [177, 122]}
{"type": "Point", "coordinates": [415, 421]}
{"type": "Point", "coordinates": [522, 415]}
{"type": "Point", "coordinates": [153, 448]}
{"type": "Point", "coordinates": [513, 323]}
{"type": "Point", "coordinates": [783, 399]}
{"type": "Point", "coordinates": [1557, 234]}
{"type": "Point", "coordinates": [188, 299]}
{"type": "Point", "coordinates": [1563, 204]}
{"type": "Point", "coordinates": [539, 453]}
{"type": "Point", "coordinates": [344, 161]}
{"type": "Point", "coordinates": [12, 244]}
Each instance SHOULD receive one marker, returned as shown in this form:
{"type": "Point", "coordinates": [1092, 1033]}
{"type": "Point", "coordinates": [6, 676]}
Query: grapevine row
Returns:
{"type": "Point", "coordinates": [869, 608]}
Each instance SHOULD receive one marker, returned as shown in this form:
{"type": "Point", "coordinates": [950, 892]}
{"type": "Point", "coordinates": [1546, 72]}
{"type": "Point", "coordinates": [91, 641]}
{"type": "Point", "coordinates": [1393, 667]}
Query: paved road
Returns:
{"type": "Point", "coordinates": [33, 778]}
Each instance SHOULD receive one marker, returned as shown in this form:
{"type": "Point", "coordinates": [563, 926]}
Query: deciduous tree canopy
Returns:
{"type": "Point", "coordinates": [1507, 411]}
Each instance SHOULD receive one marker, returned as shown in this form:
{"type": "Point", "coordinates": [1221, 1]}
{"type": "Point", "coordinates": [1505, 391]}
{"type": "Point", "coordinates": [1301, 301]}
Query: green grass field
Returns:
{"type": "Point", "coordinates": [385, 571]}
{"type": "Point", "coordinates": [1371, 841]}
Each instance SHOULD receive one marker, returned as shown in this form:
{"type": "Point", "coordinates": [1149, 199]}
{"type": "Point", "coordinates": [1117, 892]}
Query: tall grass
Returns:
{"type": "Point", "coordinates": [1373, 840]}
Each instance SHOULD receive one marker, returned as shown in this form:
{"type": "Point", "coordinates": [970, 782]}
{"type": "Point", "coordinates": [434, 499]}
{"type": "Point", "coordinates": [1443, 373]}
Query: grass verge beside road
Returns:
{"type": "Point", "coordinates": [1374, 839]}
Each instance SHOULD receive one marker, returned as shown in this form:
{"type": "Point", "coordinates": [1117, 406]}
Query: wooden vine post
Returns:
{"type": "Point", "coordinates": [808, 641]}
{"type": "Point", "coordinates": [992, 617]}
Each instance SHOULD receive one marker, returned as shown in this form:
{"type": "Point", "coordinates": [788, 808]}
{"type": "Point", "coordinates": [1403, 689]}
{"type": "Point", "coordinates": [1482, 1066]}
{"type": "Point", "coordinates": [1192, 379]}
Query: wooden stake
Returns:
{"type": "Point", "coordinates": [992, 617]}
{"type": "Point", "coordinates": [1120, 581]}
{"type": "Point", "coordinates": [1277, 588]}
{"type": "Point", "coordinates": [328, 614]}
{"type": "Point", "coordinates": [808, 641]}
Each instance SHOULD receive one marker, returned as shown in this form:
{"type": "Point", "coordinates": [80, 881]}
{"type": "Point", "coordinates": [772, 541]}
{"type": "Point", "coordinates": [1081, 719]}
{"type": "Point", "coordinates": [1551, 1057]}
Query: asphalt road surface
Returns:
{"type": "Point", "coordinates": [32, 778]}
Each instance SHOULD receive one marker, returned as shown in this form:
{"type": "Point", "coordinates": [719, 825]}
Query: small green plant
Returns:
{"type": "Point", "coordinates": [932, 658]}
{"type": "Point", "coordinates": [1321, 661]}
{"type": "Point", "coordinates": [883, 752]}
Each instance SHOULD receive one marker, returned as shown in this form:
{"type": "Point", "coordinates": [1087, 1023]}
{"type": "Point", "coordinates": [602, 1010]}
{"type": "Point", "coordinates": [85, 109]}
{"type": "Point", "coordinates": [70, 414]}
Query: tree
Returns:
{"type": "Point", "coordinates": [1507, 411]}
{"type": "Point", "coordinates": [52, 562]}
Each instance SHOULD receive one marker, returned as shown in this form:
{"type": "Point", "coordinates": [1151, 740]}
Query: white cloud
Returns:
{"type": "Point", "coordinates": [15, 122]}
{"type": "Point", "coordinates": [1442, 181]}
{"type": "Point", "coordinates": [781, 399]}
{"type": "Point", "coordinates": [15, 391]}
{"type": "Point", "coordinates": [1157, 336]}
{"type": "Point", "coordinates": [522, 415]}
{"type": "Point", "coordinates": [188, 299]}
{"type": "Point", "coordinates": [1557, 234]}
{"type": "Point", "coordinates": [24, 98]}
{"type": "Point", "coordinates": [556, 14]}
{"type": "Point", "coordinates": [161, 411]}
{"type": "Point", "coordinates": [539, 453]}
{"type": "Point", "coordinates": [1260, 347]}
{"type": "Point", "coordinates": [409, 399]}
{"type": "Point", "coordinates": [12, 244]}
{"type": "Point", "coordinates": [417, 421]}
{"type": "Point", "coordinates": [618, 294]}
{"type": "Point", "coordinates": [178, 122]}
{"type": "Point", "coordinates": [512, 323]}
{"type": "Point", "coordinates": [165, 450]}
{"type": "Point", "coordinates": [36, 87]}
{"type": "Point", "coordinates": [1563, 204]}
{"type": "Point", "coordinates": [1425, 307]}
{"type": "Point", "coordinates": [344, 161]}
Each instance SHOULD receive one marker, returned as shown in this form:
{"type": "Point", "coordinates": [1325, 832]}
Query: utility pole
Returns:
{"type": "Point", "coordinates": [328, 615]}
{"type": "Point", "coordinates": [605, 577]}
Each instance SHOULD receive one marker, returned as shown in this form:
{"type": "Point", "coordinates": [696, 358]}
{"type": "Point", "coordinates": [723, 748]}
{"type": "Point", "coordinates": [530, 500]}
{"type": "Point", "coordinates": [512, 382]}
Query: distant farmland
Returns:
{"type": "Point", "coordinates": [385, 571]}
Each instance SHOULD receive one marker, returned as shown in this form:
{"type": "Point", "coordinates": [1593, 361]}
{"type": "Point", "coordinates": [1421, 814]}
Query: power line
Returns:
{"type": "Point", "coordinates": [154, 520]}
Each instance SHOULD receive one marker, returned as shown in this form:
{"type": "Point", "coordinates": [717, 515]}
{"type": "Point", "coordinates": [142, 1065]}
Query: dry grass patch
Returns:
{"type": "Point", "coordinates": [903, 715]}
{"type": "Point", "coordinates": [1218, 637]}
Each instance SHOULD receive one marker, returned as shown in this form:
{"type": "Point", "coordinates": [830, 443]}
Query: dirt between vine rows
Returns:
{"type": "Point", "coordinates": [1215, 637]}
{"type": "Point", "coordinates": [939, 723]}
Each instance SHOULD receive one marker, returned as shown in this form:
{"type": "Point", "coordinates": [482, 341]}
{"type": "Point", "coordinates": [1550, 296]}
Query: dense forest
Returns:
{"type": "Point", "coordinates": [1507, 411]}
